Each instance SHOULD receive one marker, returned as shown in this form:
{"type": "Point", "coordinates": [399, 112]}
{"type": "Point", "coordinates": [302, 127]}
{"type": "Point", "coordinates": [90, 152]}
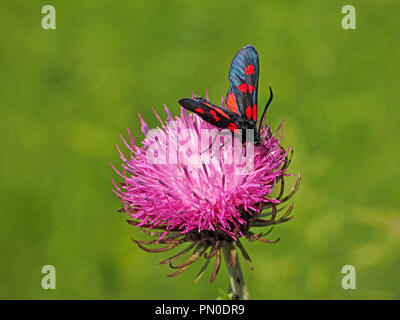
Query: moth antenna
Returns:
{"type": "Point", "coordinates": [271, 95]}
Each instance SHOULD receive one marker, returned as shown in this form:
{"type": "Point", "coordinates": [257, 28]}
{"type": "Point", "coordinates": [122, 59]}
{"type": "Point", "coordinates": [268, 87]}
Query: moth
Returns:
{"type": "Point", "coordinates": [239, 111]}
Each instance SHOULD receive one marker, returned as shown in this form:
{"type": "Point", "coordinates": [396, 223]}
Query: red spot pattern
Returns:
{"type": "Point", "coordinates": [199, 110]}
{"type": "Point", "coordinates": [249, 69]}
{"type": "Point", "coordinates": [221, 112]}
{"type": "Point", "coordinates": [231, 102]}
{"type": "Point", "coordinates": [243, 87]}
{"type": "Point", "coordinates": [251, 88]}
{"type": "Point", "coordinates": [248, 112]}
{"type": "Point", "coordinates": [214, 114]}
{"type": "Point", "coordinates": [232, 127]}
{"type": "Point", "coordinates": [255, 112]}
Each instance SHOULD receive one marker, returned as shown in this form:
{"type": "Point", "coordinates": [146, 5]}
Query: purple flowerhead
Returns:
{"type": "Point", "coordinates": [191, 182]}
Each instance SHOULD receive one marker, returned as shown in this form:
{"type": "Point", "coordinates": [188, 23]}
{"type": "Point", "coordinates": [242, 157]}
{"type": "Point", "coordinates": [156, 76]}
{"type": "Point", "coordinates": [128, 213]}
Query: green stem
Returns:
{"type": "Point", "coordinates": [237, 286]}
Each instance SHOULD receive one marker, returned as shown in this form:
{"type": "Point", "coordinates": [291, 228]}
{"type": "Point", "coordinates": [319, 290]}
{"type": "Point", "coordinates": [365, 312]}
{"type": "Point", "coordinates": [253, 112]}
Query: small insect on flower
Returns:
{"type": "Point", "coordinates": [179, 194]}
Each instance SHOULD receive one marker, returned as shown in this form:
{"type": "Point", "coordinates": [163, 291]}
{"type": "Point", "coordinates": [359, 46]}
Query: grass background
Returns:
{"type": "Point", "coordinates": [67, 94]}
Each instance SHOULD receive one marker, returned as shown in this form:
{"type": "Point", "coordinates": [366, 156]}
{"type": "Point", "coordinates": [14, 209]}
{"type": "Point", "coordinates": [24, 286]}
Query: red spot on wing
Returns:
{"type": "Point", "coordinates": [251, 88]}
{"type": "Point", "coordinates": [234, 128]}
{"type": "Point", "coordinates": [248, 112]}
{"type": "Point", "coordinates": [216, 118]}
{"type": "Point", "coordinates": [213, 112]}
{"type": "Point", "coordinates": [243, 87]}
{"type": "Point", "coordinates": [231, 102]}
{"type": "Point", "coordinates": [255, 112]}
{"type": "Point", "coordinates": [199, 110]}
{"type": "Point", "coordinates": [249, 69]}
{"type": "Point", "coordinates": [221, 112]}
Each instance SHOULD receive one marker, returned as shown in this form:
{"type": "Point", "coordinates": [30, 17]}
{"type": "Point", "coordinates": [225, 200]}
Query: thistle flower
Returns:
{"type": "Point", "coordinates": [209, 199]}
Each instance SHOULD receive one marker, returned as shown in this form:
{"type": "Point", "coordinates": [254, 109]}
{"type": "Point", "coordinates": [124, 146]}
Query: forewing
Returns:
{"type": "Point", "coordinates": [211, 113]}
{"type": "Point", "coordinates": [243, 77]}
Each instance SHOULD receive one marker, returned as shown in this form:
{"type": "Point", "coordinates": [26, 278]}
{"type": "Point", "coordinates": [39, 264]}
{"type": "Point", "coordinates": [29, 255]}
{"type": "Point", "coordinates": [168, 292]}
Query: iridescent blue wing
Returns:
{"type": "Point", "coordinates": [243, 77]}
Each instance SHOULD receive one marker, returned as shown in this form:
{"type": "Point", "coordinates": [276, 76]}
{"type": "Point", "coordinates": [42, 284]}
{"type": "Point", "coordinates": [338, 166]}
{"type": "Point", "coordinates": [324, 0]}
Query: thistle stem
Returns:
{"type": "Point", "coordinates": [237, 286]}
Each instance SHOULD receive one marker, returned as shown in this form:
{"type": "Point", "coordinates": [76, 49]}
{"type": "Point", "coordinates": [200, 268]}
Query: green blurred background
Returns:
{"type": "Point", "coordinates": [67, 94]}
